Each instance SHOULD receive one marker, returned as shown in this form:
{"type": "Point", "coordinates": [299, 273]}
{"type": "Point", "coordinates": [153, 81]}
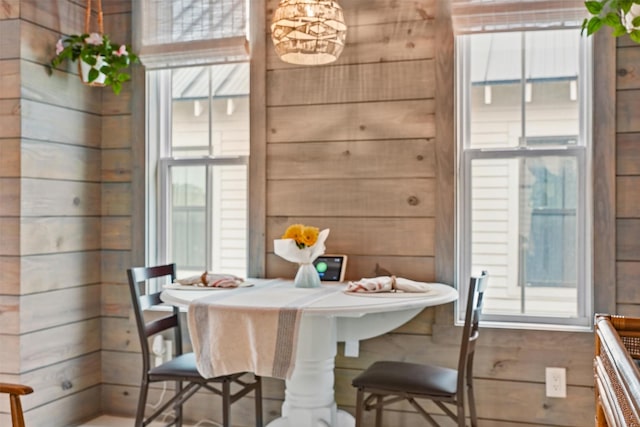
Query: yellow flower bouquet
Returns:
{"type": "Point", "coordinates": [302, 244]}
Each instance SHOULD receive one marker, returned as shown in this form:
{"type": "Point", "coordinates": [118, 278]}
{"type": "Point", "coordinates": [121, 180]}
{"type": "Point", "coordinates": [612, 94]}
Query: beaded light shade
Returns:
{"type": "Point", "coordinates": [308, 32]}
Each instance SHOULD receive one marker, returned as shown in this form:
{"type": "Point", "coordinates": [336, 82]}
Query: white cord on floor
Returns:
{"type": "Point", "coordinates": [164, 415]}
{"type": "Point", "coordinates": [204, 420]}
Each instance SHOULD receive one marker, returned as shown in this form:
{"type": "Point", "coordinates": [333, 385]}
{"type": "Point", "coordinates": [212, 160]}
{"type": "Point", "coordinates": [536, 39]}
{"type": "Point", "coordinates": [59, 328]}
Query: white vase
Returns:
{"type": "Point", "coordinates": [307, 277]}
{"type": "Point", "coordinates": [86, 68]}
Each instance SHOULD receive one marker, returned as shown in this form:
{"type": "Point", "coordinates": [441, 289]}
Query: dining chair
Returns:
{"type": "Point", "coordinates": [15, 391]}
{"type": "Point", "coordinates": [388, 382]}
{"type": "Point", "coordinates": [182, 368]}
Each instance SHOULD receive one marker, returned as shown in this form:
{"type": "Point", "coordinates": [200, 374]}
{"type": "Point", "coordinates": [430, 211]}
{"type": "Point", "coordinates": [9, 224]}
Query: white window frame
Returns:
{"type": "Point", "coordinates": [581, 151]}
{"type": "Point", "coordinates": [160, 159]}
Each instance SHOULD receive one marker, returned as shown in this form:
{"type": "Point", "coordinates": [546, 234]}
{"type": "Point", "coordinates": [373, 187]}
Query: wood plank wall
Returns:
{"type": "Point", "coordinates": [352, 146]}
{"type": "Point", "coordinates": [628, 178]}
{"type": "Point", "coordinates": [53, 221]}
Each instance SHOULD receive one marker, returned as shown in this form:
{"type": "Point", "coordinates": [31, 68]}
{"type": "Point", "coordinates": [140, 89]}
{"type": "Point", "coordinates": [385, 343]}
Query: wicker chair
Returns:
{"type": "Point", "coordinates": [388, 382]}
{"type": "Point", "coordinates": [616, 374]}
{"type": "Point", "coordinates": [15, 391]}
{"type": "Point", "coordinates": [182, 368]}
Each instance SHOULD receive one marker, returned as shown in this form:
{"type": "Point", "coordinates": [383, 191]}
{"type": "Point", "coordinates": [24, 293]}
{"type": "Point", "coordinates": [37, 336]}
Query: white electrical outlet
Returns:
{"type": "Point", "coordinates": [556, 382]}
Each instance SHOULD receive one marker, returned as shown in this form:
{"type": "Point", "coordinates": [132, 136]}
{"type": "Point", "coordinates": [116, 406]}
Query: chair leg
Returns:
{"type": "Point", "coordinates": [178, 408]}
{"type": "Point", "coordinates": [359, 407]}
{"type": "Point", "coordinates": [461, 420]}
{"type": "Point", "coordinates": [472, 407]}
{"type": "Point", "coordinates": [226, 403]}
{"type": "Point", "coordinates": [379, 411]}
{"type": "Point", "coordinates": [142, 403]}
{"type": "Point", "coordinates": [258, 395]}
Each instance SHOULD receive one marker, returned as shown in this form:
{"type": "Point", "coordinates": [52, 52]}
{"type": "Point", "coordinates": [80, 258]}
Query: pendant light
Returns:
{"type": "Point", "coordinates": [308, 32]}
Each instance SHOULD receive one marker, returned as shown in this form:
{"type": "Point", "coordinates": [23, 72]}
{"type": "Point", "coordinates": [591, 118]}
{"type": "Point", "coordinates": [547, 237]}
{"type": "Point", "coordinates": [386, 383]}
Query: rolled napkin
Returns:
{"type": "Point", "coordinates": [212, 280]}
{"type": "Point", "coordinates": [387, 284]}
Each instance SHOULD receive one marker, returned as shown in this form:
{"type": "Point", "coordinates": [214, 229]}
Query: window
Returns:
{"type": "Point", "coordinates": [523, 182]}
{"type": "Point", "coordinates": [197, 107]}
{"type": "Point", "coordinates": [202, 167]}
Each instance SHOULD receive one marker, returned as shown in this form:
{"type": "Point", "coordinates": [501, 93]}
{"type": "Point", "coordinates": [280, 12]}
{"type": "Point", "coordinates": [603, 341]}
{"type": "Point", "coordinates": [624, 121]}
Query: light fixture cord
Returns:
{"type": "Point", "coordinates": [87, 17]}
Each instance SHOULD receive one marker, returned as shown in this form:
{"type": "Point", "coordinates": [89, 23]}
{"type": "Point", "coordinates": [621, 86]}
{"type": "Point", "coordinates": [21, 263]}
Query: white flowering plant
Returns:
{"type": "Point", "coordinates": [621, 15]}
{"type": "Point", "coordinates": [88, 48]}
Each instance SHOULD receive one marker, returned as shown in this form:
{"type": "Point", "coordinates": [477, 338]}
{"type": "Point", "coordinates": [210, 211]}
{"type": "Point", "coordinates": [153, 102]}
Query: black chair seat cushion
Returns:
{"type": "Point", "coordinates": [407, 377]}
{"type": "Point", "coordinates": [180, 366]}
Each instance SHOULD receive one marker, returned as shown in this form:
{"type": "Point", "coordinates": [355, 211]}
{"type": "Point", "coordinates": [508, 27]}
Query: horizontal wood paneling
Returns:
{"type": "Point", "coordinates": [116, 300]}
{"type": "Point", "coordinates": [627, 202]}
{"type": "Point", "coordinates": [388, 238]}
{"type": "Point", "coordinates": [10, 78]}
{"type": "Point", "coordinates": [9, 353]}
{"type": "Point", "coordinates": [44, 86]}
{"type": "Point", "coordinates": [10, 275]}
{"type": "Point", "coordinates": [50, 309]}
{"type": "Point", "coordinates": [63, 198]}
{"type": "Point", "coordinates": [628, 277]}
{"type": "Point", "coordinates": [57, 381]}
{"type": "Point", "coordinates": [116, 131]}
{"type": "Point", "coordinates": [116, 165]}
{"type": "Point", "coordinates": [628, 154]}
{"type": "Point", "coordinates": [10, 118]}
{"type": "Point", "coordinates": [59, 234]}
{"type": "Point", "coordinates": [355, 198]}
{"type": "Point", "coordinates": [10, 196]}
{"type": "Point", "coordinates": [10, 35]}
{"type": "Point", "coordinates": [525, 362]}
{"type": "Point", "coordinates": [627, 243]}
{"type": "Point", "coordinates": [116, 7]}
{"type": "Point", "coordinates": [114, 266]}
{"type": "Point", "coordinates": [9, 158]}
{"type": "Point", "coordinates": [116, 198]}
{"type": "Point", "coordinates": [628, 70]}
{"type": "Point", "coordinates": [117, 104]}
{"type": "Point", "coordinates": [410, 158]}
{"type": "Point", "coordinates": [624, 309]}
{"type": "Point", "coordinates": [376, 82]}
{"type": "Point", "coordinates": [50, 123]}
{"type": "Point", "coordinates": [65, 162]}
{"type": "Point", "coordinates": [9, 315]}
{"type": "Point", "coordinates": [627, 105]}
{"type": "Point", "coordinates": [64, 16]}
{"type": "Point", "coordinates": [385, 42]}
{"type": "Point", "coordinates": [41, 273]}
{"type": "Point", "coordinates": [68, 411]}
{"type": "Point", "coordinates": [10, 9]}
{"type": "Point", "coordinates": [120, 334]}
{"type": "Point", "coordinates": [57, 344]}
{"type": "Point", "coordinates": [116, 233]}
{"type": "Point", "coordinates": [357, 121]}
{"type": "Point", "coordinates": [10, 232]}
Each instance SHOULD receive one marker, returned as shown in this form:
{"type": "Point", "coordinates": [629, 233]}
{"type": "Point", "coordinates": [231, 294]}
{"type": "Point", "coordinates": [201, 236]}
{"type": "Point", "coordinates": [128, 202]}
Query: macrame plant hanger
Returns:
{"type": "Point", "coordinates": [87, 30]}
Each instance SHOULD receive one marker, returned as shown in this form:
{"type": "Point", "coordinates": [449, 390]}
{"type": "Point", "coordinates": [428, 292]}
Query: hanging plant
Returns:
{"type": "Point", "coordinates": [100, 62]}
{"type": "Point", "coordinates": [621, 15]}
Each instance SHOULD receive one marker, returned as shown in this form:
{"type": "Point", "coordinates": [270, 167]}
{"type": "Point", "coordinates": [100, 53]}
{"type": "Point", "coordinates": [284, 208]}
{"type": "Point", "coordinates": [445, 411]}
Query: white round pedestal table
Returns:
{"type": "Point", "coordinates": [309, 399]}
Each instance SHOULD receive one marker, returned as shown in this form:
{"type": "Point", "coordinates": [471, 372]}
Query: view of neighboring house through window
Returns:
{"type": "Point", "coordinates": [197, 82]}
{"type": "Point", "coordinates": [205, 169]}
{"type": "Point", "coordinates": [523, 186]}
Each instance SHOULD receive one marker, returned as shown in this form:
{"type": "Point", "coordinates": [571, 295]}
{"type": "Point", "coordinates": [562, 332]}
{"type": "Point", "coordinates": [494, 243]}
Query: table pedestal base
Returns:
{"type": "Point", "coordinates": [309, 397]}
{"type": "Point", "coordinates": [343, 419]}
